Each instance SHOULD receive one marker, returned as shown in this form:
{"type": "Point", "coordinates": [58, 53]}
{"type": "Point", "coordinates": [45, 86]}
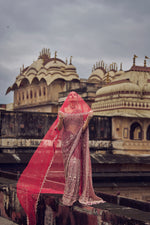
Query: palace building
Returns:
{"type": "Point", "coordinates": [37, 86]}
{"type": "Point", "coordinates": [122, 95]}
{"type": "Point", "coordinates": [42, 86]}
{"type": "Point", "coordinates": [126, 98]}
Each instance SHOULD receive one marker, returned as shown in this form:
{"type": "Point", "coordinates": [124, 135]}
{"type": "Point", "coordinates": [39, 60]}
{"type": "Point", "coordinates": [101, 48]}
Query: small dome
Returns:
{"type": "Point", "coordinates": [35, 66]}
{"type": "Point", "coordinates": [55, 63]}
{"type": "Point", "coordinates": [116, 87]}
{"type": "Point", "coordinates": [70, 67]}
{"type": "Point", "coordinates": [111, 73]}
{"type": "Point", "coordinates": [97, 74]}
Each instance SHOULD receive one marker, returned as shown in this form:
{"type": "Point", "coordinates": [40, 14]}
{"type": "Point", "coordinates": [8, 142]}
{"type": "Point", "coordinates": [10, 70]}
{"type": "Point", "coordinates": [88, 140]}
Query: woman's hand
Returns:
{"type": "Point", "coordinates": [60, 121]}
{"type": "Point", "coordinates": [86, 123]}
{"type": "Point", "coordinates": [90, 114]}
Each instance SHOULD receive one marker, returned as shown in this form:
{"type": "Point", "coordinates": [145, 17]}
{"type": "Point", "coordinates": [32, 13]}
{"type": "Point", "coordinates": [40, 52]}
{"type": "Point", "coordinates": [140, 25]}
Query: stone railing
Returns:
{"type": "Point", "coordinates": [131, 144]}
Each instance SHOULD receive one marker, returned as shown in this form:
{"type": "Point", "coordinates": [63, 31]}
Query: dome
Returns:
{"type": "Point", "coordinates": [108, 76]}
{"type": "Point", "coordinates": [34, 67]}
{"type": "Point", "coordinates": [111, 73]}
{"type": "Point", "coordinates": [97, 74]}
{"type": "Point", "coordinates": [48, 68]}
{"type": "Point", "coordinates": [123, 85]}
{"type": "Point", "coordinates": [70, 67]}
{"type": "Point", "coordinates": [53, 63]}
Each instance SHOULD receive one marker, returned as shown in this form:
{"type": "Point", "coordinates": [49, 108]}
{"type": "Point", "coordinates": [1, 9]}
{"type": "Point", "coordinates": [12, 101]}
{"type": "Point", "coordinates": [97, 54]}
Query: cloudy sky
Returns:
{"type": "Point", "coordinates": [88, 30]}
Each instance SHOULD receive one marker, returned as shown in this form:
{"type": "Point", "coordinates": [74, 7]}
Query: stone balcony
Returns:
{"type": "Point", "coordinates": [131, 147]}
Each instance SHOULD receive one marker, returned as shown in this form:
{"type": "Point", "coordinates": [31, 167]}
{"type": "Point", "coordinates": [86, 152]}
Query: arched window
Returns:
{"type": "Point", "coordinates": [136, 131]}
{"type": "Point", "coordinates": [148, 133]}
{"type": "Point", "coordinates": [35, 94]}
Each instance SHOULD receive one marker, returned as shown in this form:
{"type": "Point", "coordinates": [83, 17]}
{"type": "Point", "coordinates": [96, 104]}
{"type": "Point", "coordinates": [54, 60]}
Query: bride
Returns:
{"type": "Point", "coordinates": [61, 164]}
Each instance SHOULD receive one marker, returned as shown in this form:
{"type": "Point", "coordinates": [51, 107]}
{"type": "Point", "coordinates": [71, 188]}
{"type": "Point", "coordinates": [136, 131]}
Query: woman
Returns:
{"type": "Point", "coordinates": [61, 164]}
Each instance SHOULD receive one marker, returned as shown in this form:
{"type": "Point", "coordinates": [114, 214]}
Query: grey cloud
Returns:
{"type": "Point", "coordinates": [87, 30]}
{"type": "Point", "coordinates": [6, 79]}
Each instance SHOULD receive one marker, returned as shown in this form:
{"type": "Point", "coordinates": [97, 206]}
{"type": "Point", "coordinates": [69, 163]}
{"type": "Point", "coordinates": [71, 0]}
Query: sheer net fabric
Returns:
{"type": "Point", "coordinates": [61, 164]}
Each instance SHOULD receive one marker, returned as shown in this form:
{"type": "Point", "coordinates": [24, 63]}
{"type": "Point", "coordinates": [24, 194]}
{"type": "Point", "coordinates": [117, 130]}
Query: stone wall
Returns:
{"type": "Point", "coordinates": [26, 129]}
{"type": "Point", "coordinates": [116, 210]}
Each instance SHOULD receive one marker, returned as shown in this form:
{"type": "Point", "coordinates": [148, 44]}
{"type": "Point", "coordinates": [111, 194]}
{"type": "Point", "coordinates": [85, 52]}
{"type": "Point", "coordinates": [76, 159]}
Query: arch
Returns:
{"type": "Point", "coordinates": [73, 84]}
{"type": "Point", "coordinates": [58, 80]}
{"type": "Point", "coordinates": [148, 133]}
{"type": "Point", "coordinates": [43, 80]}
{"type": "Point", "coordinates": [59, 85]}
{"type": "Point", "coordinates": [95, 77]}
{"type": "Point", "coordinates": [30, 69]}
{"type": "Point", "coordinates": [35, 81]}
{"type": "Point", "coordinates": [136, 131]}
{"type": "Point", "coordinates": [24, 82]}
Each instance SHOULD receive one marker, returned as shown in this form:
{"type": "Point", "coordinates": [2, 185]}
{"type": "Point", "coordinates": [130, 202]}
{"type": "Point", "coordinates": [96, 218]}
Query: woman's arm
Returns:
{"type": "Point", "coordinates": [86, 122]}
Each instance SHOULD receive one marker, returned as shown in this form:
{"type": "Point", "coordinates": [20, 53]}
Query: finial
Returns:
{"type": "Point", "coordinates": [66, 61]}
{"type": "Point", "coordinates": [134, 57]}
{"type": "Point", "coordinates": [55, 56]}
{"type": "Point", "coordinates": [111, 66]}
{"type": "Point", "coordinates": [49, 54]}
{"type": "Point", "coordinates": [108, 77]}
{"type": "Point", "coordinates": [70, 60]}
{"type": "Point", "coordinates": [45, 53]}
{"type": "Point", "coordinates": [114, 66]}
{"type": "Point", "coordinates": [120, 66]}
{"type": "Point", "coordinates": [146, 57]}
{"type": "Point", "coordinates": [102, 63]}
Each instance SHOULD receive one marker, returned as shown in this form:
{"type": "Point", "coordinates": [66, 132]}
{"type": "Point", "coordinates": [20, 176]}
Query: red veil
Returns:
{"type": "Point", "coordinates": [45, 171]}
